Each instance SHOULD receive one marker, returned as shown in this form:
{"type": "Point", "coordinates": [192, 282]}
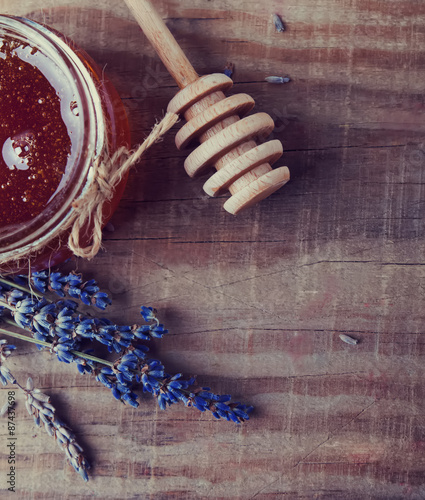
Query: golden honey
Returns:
{"type": "Point", "coordinates": [35, 141]}
{"type": "Point", "coordinates": [58, 115]}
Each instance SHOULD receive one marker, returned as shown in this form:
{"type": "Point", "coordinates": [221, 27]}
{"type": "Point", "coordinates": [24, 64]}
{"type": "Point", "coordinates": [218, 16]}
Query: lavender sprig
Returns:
{"type": "Point", "coordinates": [40, 408]}
{"type": "Point", "coordinates": [71, 285]}
{"type": "Point", "coordinates": [63, 330]}
{"type": "Point", "coordinates": [61, 321]}
{"type": "Point", "coordinates": [133, 367]}
{"type": "Point", "coordinates": [168, 390]}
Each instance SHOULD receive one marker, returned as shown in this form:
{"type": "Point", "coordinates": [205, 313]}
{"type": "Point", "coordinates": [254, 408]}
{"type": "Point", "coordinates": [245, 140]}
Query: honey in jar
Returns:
{"type": "Point", "coordinates": [58, 113]}
{"type": "Point", "coordinates": [36, 141]}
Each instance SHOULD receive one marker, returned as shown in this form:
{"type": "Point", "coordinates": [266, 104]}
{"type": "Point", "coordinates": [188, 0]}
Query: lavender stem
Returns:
{"type": "Point", "coordinates": [49, 344]}
{"type": "Point", "coordinates": [19, 287]}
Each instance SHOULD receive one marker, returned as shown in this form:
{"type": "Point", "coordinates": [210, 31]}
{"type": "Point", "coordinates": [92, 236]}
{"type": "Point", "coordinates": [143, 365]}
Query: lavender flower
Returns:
{"type": "Point", "coordinates": [5, 351]}
{"type": "Point", "coordinates": [148, 313]}
{"type": "Point", "coordinates": [59, 321]}
{"type": "Point", "coordinates": [228, 69]}
{"type": "Point", "coordinates": [66, 284]}
{"type": "Point", "coordinates": [39, 407]}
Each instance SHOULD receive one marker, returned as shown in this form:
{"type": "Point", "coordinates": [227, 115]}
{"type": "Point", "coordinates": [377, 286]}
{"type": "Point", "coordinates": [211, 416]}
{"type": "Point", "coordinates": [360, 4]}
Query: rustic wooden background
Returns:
{"type": "Point", "coordinates": [255, 303]}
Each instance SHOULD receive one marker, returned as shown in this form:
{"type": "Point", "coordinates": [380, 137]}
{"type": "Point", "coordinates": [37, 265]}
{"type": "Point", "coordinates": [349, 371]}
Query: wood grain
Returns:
{"type": "Point", "coordinates": [255, 303]}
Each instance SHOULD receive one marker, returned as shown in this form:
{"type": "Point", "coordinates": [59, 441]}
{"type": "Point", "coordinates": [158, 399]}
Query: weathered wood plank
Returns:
{"type": "Point", "coordinates": [255, 303]}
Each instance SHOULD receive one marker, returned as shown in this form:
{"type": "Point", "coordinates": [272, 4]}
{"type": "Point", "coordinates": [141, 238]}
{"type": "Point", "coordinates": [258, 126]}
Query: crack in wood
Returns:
{"type": "Point", "coordinates": [380, 263]}
{"type": "Point", "coordinates": [302, 460]}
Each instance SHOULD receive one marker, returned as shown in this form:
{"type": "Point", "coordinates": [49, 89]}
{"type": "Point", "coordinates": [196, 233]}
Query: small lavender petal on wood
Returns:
{"type": "Point", "coordinates": [278, 23]}
{"type": "Point", "coordinates": [348, 340]}
{"type": "Point", "coordinates": [277, 79]}
{"type": "Point", "coordinates": [228, 69]}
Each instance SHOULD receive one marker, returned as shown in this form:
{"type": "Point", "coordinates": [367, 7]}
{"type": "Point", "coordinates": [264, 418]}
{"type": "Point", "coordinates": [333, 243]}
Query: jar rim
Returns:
{"type": "Point", "coordinates": [90, 141]}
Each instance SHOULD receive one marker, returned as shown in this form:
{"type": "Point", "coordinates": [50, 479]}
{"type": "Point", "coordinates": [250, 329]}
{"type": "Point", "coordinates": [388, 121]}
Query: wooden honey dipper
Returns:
{"type": "Point", "coordinates": [227, 141]}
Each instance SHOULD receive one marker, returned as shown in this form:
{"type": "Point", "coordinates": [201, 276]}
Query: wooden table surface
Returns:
{"type": "Point", "coordinates": [255, 303]}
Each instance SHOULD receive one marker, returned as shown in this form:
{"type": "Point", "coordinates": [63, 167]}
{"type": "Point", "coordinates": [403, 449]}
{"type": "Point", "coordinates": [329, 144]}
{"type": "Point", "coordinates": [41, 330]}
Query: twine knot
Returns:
{"type": "Point", "coordinates": [108, 172]}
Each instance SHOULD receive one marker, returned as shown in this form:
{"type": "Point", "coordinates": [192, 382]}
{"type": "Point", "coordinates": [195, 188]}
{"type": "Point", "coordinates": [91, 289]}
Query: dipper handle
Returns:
{"type": "Point", "coordinates": [163, 42]}
{"type": "Point", "coordinates": [227, 141]}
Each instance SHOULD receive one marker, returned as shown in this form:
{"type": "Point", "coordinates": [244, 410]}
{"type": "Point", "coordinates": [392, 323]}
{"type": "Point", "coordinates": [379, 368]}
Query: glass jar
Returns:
{"type": "Point", "coordinates": [95, 121]}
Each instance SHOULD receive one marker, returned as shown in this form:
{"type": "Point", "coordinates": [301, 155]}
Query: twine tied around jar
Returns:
{"type": "Point", "coordinates": [87, 210]}
{"type": "Point", "coordinates": [109, 170]}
